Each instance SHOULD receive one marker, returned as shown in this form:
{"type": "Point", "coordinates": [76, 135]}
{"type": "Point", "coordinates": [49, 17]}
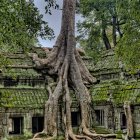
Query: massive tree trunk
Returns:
{"type": "Point", "coordinates": [65, 62]}
{"type": "Point", "coordinates": [114, 36]}
{"type": "Point", "coordinates": [105, 39]}
{"type": "Point", "coordinates": [118, 29]}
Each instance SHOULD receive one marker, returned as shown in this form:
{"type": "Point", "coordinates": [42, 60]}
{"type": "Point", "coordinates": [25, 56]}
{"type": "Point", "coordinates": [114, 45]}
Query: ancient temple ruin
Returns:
{"type": "Point", "coordinates": [23, 94]}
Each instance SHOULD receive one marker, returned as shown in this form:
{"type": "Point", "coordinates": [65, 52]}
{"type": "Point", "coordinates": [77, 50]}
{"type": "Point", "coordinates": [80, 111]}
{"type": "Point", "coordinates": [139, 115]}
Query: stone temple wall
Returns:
{"type": "Point", "coordinates": [136, 118]}
{"type": "Point", "coordinates": [26, 114]}
{"type": "Point", "coordinates": [3, 123]}
{"type": "Point", "coordinates": [1, 126]}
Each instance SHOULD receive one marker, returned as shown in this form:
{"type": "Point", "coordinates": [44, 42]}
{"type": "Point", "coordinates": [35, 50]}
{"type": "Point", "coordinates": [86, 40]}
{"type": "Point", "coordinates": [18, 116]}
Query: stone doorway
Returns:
{"type": "Point", "coordinates": [123, 121]}
{"type": "Point", "coordinates": [37, 124]}
{"type": "Point", "coordinates": [16, 125]}
{"type": "Point", "coordinates": [100, 117]}
{"type": "Point", "coordinates": [75, 117]}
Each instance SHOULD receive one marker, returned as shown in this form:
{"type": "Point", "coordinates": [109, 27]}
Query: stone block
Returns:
{"type": "Point", "coordinates": [4, 121]}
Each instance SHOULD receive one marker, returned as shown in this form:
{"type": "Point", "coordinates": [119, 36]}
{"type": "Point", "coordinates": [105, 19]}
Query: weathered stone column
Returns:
{"type": "Point", "coordinates": [1, 127]}
{"type": "Point", "coordinates": [27, 124]}
{"type": "Point", "coordinates": [3, 124]}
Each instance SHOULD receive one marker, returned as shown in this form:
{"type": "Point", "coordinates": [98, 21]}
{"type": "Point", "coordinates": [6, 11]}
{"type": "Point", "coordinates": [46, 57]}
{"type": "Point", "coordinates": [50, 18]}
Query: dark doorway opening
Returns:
{"type": "Point", "coordinates": [8, 81]}
{"type": "Point", "coordinates": [75, 119]}
{"type": "Point", "coordinates": [37, 124]}
{"type": "Point", "coordinates": [123, 121]}
{"type": "Point", "coordinates": [100, 117]}
{"type": "Point", "coordinates": [16, 125]}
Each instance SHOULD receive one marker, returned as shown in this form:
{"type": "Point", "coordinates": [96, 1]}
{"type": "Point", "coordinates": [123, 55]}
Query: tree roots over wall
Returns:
{"type": "Point", "coordinates": [65, 62]}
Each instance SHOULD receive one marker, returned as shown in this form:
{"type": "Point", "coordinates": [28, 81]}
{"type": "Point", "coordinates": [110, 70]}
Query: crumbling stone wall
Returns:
{"type": "Point", "coordinates": [27, 115]}
{"type": "Point", "coordinates": [106, 112]}
{"type": "Point", "coordinates": [136, 119]}
{"type": "Point", "coordinates": [1, 126]}
{"type": "Point", "coordinates": [3, 123]}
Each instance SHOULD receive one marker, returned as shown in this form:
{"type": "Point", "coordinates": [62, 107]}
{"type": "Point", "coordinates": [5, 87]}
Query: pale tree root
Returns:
{"type": "Point", "coordinates": [129, 118]}
{"type": "Point", "coordinates": [62, 89]}
{"type": "Point", "coordinates": [37, 136]}
{"type": "Point", "coordinates": [69, 132]}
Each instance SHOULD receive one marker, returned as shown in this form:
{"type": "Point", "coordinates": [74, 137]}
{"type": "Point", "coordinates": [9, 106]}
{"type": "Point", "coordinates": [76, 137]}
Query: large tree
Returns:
{"type": "Point", "coordinates": [104, 16]}
{"type": "Point", "coordinates": [112, 23]}
{"type": "Point", "coordinates": [102, 27]}
{"type": "Point", "coordinates": [65, 62]}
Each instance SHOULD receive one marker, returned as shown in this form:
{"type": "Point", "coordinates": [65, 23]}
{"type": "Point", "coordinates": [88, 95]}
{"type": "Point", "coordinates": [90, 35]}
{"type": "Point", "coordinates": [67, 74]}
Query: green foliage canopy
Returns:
{"type": "Point", "coordinates": [21, 24]}
{"type": "Point", "coordinates": [96, 28]}
{"type": "Point", "coordinates": [119, 20]}
{"type": "Point", "coordinates": [129, 46]}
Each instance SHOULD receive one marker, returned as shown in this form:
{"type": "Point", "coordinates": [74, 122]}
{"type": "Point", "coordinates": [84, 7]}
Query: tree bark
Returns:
{"type": "Point", "coordinates": [105, 39]}
{"type": "Point", "coordinates": [114, 22]}
{"type": "Point", "coordinates": [129, 118]}
{"type": "Point", "coordinates": [119, 30]}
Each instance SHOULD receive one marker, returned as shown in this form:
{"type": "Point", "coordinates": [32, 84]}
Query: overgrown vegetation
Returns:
{"type": "Point", "coordinates": [111, 23]}
{"type": "Point", "coordinates": [21, 24]}
{"type": "Point", "coordinates": [107, 25]}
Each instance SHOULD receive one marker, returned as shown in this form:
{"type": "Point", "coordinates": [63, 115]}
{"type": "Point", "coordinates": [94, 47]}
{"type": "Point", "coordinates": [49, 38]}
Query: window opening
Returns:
{"type": "Point", "coordinates": [100, 117]}
{"type": "Point", "coordinates": [37, 124]}
{"type": "Point", "coordinates": [123, 121]}
{"type": "Point", "coordinates": [75, 117]}
{"type": "Point", "coordinates": [16, 125]}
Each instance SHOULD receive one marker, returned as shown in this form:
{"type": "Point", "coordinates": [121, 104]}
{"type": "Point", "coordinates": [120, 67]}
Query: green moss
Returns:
{"type": "Point", "coordinates": [17, 138]}
{"type": "Point", "coordinates": [107, 62]}
{"type": "Point", "coordinates": [31, 98]}
{"type": "Point", "coordinates": [121, 91]}
{"type": "Point", "coordinates": [119, 134]}
{"type": "Point", "coordinates": [43, 135]}
{"type": "Point", "coordinates": [59, 138]}
{"type": "Point", "coordinates": [137, 135]}
{"type": "Point", "coordinates": [101, 130]}
{"type": "Point", "coordinates": [27, 134]}
{"type": "Point", "coordinates": [76, 130]}
{"type": "Point", "coordinates": [39, 50]}
{"type": "Point", "coordinates": [20, 72]}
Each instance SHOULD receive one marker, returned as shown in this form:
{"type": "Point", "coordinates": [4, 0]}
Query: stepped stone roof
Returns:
{"type": "Point", "coordinates": [115, 90]}
{"type": "Point", "coordinates": [108, 63]}
{"type": "Point", "coordinates": [21, 65]}
{"type": "Point", "coordinates": [23, 98]}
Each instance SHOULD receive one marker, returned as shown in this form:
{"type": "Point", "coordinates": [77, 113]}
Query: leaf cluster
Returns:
{"type": "Point", "coordinates": [51, 4]}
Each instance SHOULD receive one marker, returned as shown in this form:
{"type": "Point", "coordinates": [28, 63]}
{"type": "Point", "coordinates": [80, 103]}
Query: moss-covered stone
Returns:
{"type": "Point", "coordinates": [18, 138]}
{"type": "Point", "coordinates": [120, 92]}
{"type": "Point", "coordinates": [119, 134]}
{"type": "Point", "coordinates": [107, 62]}
{"type": "Point", "coordinates": [101, 130]}
{"type": "Point", "coordinates": [20, 98]}
{"type": "Point", "coordinates": [137, 135]}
